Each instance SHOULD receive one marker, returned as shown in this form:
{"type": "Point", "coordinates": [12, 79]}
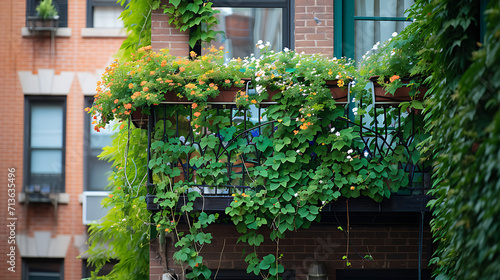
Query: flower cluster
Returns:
{"type": "Point", "coordinates": [151, 77]}
{"type": "Point", "coordinates": [394, 62]}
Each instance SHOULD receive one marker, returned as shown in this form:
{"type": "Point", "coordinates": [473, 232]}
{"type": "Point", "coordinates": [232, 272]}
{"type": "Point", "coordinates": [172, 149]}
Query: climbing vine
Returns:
{"type": "Point", "coordinates": [463, 114]}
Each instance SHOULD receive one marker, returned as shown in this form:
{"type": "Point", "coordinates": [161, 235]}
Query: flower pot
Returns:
{"type": "Point", "coordinates": [36, 23]}
{"type": "Point", "coordinates": [271, 94]}
{"type": "Point", "coordinates": [228, 95]}
{"type": "Point", "coordinates": [339, 94]}
{"type": "Point", "coordinates": [172, 97]}
{"type": "Point", "coordinates": [402, 94]}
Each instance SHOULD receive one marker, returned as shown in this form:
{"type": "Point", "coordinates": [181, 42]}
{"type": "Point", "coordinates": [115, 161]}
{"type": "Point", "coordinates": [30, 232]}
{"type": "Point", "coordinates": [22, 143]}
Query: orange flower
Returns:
{"type": "Point", "coordinates": [87, 109]}
{"type": "Point", "coordinates": [110, 196]}
{"type": "Point", "coordinates": [201, 82]}
{"type": "Point", "coordinates": [182, 69]}
{"type": "Point", "coordinates": [152, 73]}
{"type": "Point", "coordinates": [295, 132]}
{"type": "Point", "coordinates": [167, 230]}
{"type": "Point", "coordinates": [127, 106]}
{"type": "Point", "coordinates": [340, 83]}
{"type": "Point", "coordinates": [130, 85]}
{"type": "Point", "coordinates": [254, 101]}
{"type": "Point", "coordinates": [114, 110]}
{"type": "Point", "coordinates": [116, 101]}
{"type": "Point", "coordinates": [221, 48]}
{"type": "Point", "coordinates": [145, 89]}
{"type": "Point", "coordinates": [227, 81]}
{"type": "Point", "coordinates": [196, 126]}
{"type": "Point", "coordinates": [143, 83]}
{"type": "Point", "coordinates": [393, 78]}
{"type": "Point", "coordinates": [193, 92]}
{"type": "Point", "coordinates": [163, 63]}
{"type": "Point", "coordinates": [197, 114]}
{"type": "Point", "coordinates": [194, 105]}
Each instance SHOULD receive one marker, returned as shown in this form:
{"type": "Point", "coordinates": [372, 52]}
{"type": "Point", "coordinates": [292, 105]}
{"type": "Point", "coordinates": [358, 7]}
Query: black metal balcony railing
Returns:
{"type": "Point", "coordinates": [381, 134]}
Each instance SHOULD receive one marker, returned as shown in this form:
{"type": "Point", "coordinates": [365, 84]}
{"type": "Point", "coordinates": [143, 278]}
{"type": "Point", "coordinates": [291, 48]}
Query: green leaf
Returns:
{"type": "Point", "coordinates": [175, 2]}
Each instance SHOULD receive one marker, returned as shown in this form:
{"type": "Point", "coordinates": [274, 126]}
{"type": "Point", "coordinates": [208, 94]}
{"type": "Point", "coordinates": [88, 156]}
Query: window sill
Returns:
{"type": "Point", "coordinates": [62, 198]}
{"type": "Point", "coordinates": [104, 32]}
{"type": "Point", "coordinates": [60, 32]}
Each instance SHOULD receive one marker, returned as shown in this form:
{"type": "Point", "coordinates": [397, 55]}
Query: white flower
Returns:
{"type": "Point", "coordinates": [321, 181]}
{"type": "Point", "coordinates": [261, 47]}
{"type": "Point", "coordinates": [332, 130]}
{"type": "Point", "coordinates": [354, 110]}
{"type": "Point", "coordinates": [355, 113]}
{"type": "Point", "coordinates": [354, 99]}
{"type": "Point", "coordinates": [268, 43]}
{"type": "Point", "coordinates": [338, 134]}
{"type": "Point", "coordinates": [394, 34]}
{"type": "Point", "coordinates": [298, 151]}
{"type": "Point", "coordinates": [348, 157]}
{"type": "Point", "coordinates": [324, 202]}
{"type": "Point", "coordinates": [286, 49]}
{"type": "Point", "coordinates": [259, 42]}
{"type": "Point", "coordinates": [296, 194]}
{"type": "Point", "coordinates": [366, 154]}
{"type": "Point", "coordinates": [349, 151]}
{"type": "Point", "coordinates": [124, 220]}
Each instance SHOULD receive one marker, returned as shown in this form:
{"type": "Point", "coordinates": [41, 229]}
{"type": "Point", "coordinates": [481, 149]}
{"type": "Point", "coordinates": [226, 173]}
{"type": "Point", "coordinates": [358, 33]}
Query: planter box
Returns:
{"type": "Point", "coordinates": [35, 23]}
{"type": "Point", "coordinates": [340, 95]}
{"type": "Point", "coordinates": [402, 94]}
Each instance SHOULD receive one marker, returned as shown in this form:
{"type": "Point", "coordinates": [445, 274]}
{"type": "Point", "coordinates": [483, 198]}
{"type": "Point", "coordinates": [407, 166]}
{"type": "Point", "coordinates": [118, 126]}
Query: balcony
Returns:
{"type": "Point", "coordinates": [235, 141]}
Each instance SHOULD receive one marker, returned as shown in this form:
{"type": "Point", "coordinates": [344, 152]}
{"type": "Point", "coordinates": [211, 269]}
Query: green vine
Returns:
{"type": "Point", "coordinates": [197, 16]}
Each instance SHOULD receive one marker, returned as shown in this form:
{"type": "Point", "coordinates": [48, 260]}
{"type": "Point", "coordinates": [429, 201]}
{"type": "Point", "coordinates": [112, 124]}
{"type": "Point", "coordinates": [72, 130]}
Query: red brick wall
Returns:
{"type": "Point", "coordinates": [392, 247]}
{"type": "Point", "coordinates": [165, 36]}
{"type": "Point", "coordinates": [76, 54]}
{"type": "Point", "coordinates": [311, 37]}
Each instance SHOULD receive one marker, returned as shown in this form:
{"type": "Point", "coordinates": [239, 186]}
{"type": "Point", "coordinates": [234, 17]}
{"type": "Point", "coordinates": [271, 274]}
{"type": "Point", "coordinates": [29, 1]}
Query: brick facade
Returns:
{"type": "Point", "coordinates": [392, 247]}
{"type": "Point", "coordinates": [76, 55]}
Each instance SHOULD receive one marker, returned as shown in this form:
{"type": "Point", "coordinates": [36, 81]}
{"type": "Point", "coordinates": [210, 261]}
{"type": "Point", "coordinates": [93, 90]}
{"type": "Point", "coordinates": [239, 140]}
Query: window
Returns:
{"type": "Point", "coordinates": [246, 22]}
{"type": "Point", "coordinates": [43, 269]}
{"type": "Point", "coordinates": [104, 14]}
{"type": "Point", "coordinates": [96, 171]}
{"type": "Point", "coordinates": [360, 24]}
{"type": "Point", "coordinates": [44, 145]}
{"type": "Point", "coordinates": [61, 6]}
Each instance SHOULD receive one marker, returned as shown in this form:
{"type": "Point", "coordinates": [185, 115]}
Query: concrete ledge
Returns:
{"type": "Point", "coordinates": [62, 198]}
{"type": "Point", "coordinates": [104, 32]}
{"type": "Point", "coordinates": [61, 32]}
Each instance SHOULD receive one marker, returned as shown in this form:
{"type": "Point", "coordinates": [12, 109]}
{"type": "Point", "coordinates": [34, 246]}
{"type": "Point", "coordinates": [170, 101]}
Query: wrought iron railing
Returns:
{"type": "Point", "coordinates": [381, 133]}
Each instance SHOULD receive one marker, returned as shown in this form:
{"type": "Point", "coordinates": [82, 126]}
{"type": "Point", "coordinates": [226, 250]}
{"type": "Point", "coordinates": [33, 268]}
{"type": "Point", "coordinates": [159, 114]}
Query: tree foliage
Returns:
{"type": "Point", "coordinates": [123, 234]}
{"type": "Point", "coordinates": [464, 116]}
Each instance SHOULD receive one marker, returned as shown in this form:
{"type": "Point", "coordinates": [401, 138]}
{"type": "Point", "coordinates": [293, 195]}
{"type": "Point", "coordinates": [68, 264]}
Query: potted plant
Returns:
{"type": "Point", "coordinates": [288, 73]}
{"type": "Point", "coordinates": [47, 16]}
{"type": "Point", "coordinates": [392, 67]}
{"type": "Point", "coordinates": [150, 78]}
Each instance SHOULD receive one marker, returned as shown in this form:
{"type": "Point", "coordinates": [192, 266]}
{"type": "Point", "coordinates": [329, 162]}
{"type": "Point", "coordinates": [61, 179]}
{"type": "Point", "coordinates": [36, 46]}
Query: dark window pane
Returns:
{"type": "Point", "coordinates": [243, 27]}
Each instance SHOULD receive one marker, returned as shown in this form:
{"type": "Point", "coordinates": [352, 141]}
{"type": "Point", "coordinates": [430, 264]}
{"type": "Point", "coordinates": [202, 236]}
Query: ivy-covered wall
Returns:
{"type": "Point", "coordinates": [464, 116]}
